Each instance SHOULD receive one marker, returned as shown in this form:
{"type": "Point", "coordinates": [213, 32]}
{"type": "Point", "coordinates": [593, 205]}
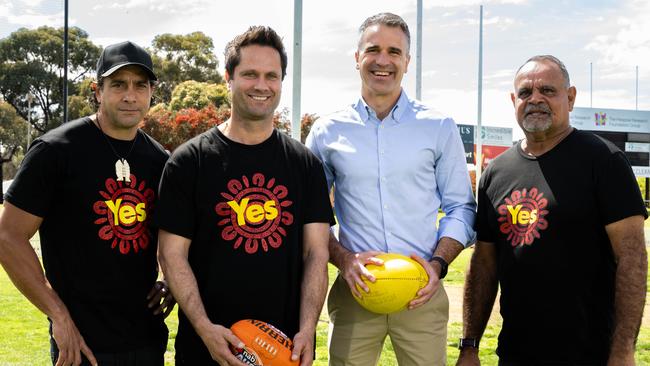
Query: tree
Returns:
{"type": "Point", "coordinates": [172, 128]}
{"type": "Point", "coordinates": [281, 121]}
{"type": "Point", "coordinates": [31, 61]}
{"type": "Point", "coordinates": [306, 122]}
{"type": "Point", "coordinates": [198, 95]}
{"type": "Point", "coordinates": [178, 58]}
{"type": "Point", "coordinates": [81, 105]}
{"type": "Point", "coordinates": [13, 134]}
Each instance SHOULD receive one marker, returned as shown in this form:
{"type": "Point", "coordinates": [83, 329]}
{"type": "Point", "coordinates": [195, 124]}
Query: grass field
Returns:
{"type": "Point", "coordinates": [24, 339]}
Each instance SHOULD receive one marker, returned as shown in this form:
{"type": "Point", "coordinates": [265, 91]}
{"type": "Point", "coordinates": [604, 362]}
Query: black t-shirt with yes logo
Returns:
{"type": "Point", "coordinates": [98, 249]}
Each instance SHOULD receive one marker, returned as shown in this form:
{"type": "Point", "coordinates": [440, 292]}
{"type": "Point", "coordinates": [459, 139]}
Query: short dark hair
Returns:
{"type": "Point", "coordinates": [553, 59]}
{"type": "Point", "coordinates": [389, 20]}
{"type": "Point", "coordinates": [255, 35]}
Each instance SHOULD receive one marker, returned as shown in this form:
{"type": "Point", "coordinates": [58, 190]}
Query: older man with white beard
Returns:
{"type": "Point", "coordinates": [560, 229]}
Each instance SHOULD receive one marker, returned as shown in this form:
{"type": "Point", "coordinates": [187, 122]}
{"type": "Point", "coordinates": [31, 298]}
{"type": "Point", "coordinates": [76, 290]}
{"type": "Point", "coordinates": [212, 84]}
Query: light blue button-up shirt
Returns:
{"type": "Point", "coordinates": [392, 176]}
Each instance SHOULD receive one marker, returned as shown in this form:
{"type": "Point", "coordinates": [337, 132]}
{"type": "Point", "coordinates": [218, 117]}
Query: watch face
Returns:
{"type": "Point", "coordinates": [467, 342]}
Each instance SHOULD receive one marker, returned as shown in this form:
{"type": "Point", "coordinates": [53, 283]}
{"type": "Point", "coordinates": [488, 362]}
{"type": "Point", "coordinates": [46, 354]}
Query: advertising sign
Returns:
{"type": "Point", "coordinates": [495, 141]}
{"type": "Point", "coordinates": [613, 120]}
{"type": "Point", "coordinates": [625, 128]}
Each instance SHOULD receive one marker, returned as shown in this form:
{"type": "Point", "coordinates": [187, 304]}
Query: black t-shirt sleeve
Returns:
{"type": "Point", "coordinates": [37, 182]}
{"type": "Point", "coordinates": [317, 207]}
{"type": "Point", "coordinates": [176, 211]}
{"type": "Point", "coordinates": [617, 191]}
{"type": "Point", "coordinates": [483, 213]}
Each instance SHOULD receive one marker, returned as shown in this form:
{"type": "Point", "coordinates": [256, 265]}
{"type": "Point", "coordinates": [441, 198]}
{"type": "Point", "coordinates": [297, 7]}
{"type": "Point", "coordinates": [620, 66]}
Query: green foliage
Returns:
{"type": "Point", "coordinates": [78, 107]}
{"type": "Point", "coordinates": [10, 168]}
{"type": "Point", "coordinates": [31, 61]}
{"type": "Point", "coordinates": [197, 95]}
{"type": "Point", "coordinates": [179, 58]}
{"type": "Point", "coordinates": [81, 104]}
{"type": "Point", "coordinates": [13, 131]}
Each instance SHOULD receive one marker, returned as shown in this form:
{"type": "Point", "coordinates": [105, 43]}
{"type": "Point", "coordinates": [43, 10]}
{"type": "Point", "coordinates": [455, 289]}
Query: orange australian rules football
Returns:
{"type": "Point", "coordinates": [264, 344]}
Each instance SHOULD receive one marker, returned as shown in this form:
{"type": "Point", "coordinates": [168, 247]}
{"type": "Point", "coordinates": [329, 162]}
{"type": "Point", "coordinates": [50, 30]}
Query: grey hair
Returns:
{"type": "Point", "coordinates": [553, 59]}
{"type": "Point", "coordinates": [389, 20]}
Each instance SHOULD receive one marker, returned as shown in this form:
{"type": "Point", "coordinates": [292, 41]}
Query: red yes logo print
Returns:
{"type": "Point", "coordinates": [255, 213]}
{"type": "Point", "coordinates": [522, 216]}
{"type": "Point", "coordinates": [123, 214]}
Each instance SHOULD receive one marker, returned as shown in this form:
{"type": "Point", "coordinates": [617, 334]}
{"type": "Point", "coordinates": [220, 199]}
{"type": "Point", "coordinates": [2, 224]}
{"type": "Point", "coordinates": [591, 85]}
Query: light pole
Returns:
{"type": "Point", "coordinates": [30, 98]}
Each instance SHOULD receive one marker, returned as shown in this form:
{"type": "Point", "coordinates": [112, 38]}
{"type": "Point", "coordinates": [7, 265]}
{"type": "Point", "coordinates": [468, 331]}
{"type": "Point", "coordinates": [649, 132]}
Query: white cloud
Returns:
{"type": "Point", "coordinates": [429, 73]}
{"type": "Point", "coordinates": [168, 7]}
{"type": "Point", "coordinates": [500, 74]}
{"type": "Point", "coordinates": [501, 22]}
{"type": "Point", "coordinates": [32, 3]}
{"type": "Point", "coordinates": [613, 98]}
{"type": "Point", "coordinates": [35, 21]}
{"type": "Point", "coordinates": [29, 14]}
{"type": "Point", "coordinates": [616, 33]}
{"type": "Point", "coordinates": [462, 3]}
{"type": "Point", "coordinates": [5, 8]}
{"type": "Point", "coordinates": [630, 45]}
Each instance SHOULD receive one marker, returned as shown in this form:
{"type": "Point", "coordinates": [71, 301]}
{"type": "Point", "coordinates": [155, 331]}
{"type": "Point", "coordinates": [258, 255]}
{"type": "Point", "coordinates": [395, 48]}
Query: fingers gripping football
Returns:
{"type": "Point", "coordinates": [354, 270]}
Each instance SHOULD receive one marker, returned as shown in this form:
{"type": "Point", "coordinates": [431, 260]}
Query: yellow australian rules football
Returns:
{"type": "Point", "coordinates": [398, 282]}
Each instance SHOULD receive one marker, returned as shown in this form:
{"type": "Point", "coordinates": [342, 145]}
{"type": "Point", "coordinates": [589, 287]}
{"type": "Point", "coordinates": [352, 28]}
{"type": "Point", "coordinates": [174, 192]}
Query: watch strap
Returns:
{"type": "Point", "coordinates": [443, 265]}
{"type": "Point", "coordinates": [468, 342]}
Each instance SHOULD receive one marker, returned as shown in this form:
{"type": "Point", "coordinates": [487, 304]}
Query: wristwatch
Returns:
{"type": "Point", "coordinates": [443, 265]}
{"type": "Point", "coordinates": [468, 342]}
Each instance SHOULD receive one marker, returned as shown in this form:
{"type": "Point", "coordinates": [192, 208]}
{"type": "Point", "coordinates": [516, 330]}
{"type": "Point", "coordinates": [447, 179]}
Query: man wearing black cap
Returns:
{"type": "Point", "coordinates": [89, 187]}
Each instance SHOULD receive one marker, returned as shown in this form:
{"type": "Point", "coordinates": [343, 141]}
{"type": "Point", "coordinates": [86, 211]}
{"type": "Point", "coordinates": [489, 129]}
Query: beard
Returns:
{"type": "Point", "coordinates": [536, 125]}
{"type": "Point", "coordinates": [537, 122]}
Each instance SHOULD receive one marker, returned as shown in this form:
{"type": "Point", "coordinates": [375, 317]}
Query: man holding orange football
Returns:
{"type": "Point", "coordinates": [394, 163]}
{"type": "Point", "coordinates": [244, 217]}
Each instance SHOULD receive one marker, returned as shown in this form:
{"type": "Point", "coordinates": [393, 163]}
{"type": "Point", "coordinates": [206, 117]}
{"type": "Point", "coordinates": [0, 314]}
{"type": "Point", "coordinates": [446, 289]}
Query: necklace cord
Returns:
{"type": "Point", "coordinates": [111, 145]}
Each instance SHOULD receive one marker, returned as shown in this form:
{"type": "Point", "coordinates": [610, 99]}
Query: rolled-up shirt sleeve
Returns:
{"type": "Point", "coordinates": [455, 189]}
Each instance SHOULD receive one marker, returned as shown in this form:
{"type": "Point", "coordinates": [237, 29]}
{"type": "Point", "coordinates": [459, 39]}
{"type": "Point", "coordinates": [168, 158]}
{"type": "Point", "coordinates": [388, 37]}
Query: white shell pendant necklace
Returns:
{"type": "Point", "coordinates": [122, 168]}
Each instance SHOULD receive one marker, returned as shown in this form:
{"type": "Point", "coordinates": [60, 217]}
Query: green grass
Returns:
{"type": "Point", "coordinates": [455, 277]}
{"type": "Point", "coordinates": [23, 333]}
{"type": "Point", "coordinates": [24, 337]}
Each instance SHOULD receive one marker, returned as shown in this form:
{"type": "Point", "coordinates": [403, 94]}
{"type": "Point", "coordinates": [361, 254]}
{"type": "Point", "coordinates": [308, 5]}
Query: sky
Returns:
{"type": "Point", "coordinates": [611, 35]}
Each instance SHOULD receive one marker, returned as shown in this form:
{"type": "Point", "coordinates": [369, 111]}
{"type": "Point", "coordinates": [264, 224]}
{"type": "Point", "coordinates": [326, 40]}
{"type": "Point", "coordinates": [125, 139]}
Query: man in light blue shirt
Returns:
{"type": "Point", "coordinates": [394, 162]}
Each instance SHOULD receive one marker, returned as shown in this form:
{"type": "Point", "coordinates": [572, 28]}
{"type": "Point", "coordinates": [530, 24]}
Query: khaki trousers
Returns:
{"type": "Point", "coordinates": [356, 336]}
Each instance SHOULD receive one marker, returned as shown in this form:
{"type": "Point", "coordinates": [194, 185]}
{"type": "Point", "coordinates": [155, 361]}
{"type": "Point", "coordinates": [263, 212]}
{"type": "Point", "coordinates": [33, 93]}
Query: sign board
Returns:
{"type": "Point", "coordinates": [629, 130]}
{"type": "Point", "coordinates": [613, 120]}
{"type": "Point", "coordinates": [637, 147]}
{"type": "Point", "coordinates": [495, 141]}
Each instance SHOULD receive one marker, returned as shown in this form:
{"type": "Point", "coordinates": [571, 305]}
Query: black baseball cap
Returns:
{"type": "Point", "coordinates": [123, 54]}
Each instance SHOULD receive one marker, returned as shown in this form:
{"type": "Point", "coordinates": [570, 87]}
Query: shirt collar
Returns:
{"type": "Point", "coordinates": [365, 111]}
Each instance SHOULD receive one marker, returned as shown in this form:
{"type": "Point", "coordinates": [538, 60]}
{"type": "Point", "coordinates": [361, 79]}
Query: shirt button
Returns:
{"type": "Point", "coordinates": [385, 206]}
{"type": "Point", "coordinates": [382, 151]}
{"type": "Point", "coordinates": [383, 179]}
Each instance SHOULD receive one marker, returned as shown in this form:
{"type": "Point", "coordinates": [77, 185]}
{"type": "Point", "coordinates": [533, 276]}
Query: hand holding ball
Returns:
{"type": "Point", "coordinates": [265, 345]}
{"type": "Point", "coordinates": [397, 283]}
